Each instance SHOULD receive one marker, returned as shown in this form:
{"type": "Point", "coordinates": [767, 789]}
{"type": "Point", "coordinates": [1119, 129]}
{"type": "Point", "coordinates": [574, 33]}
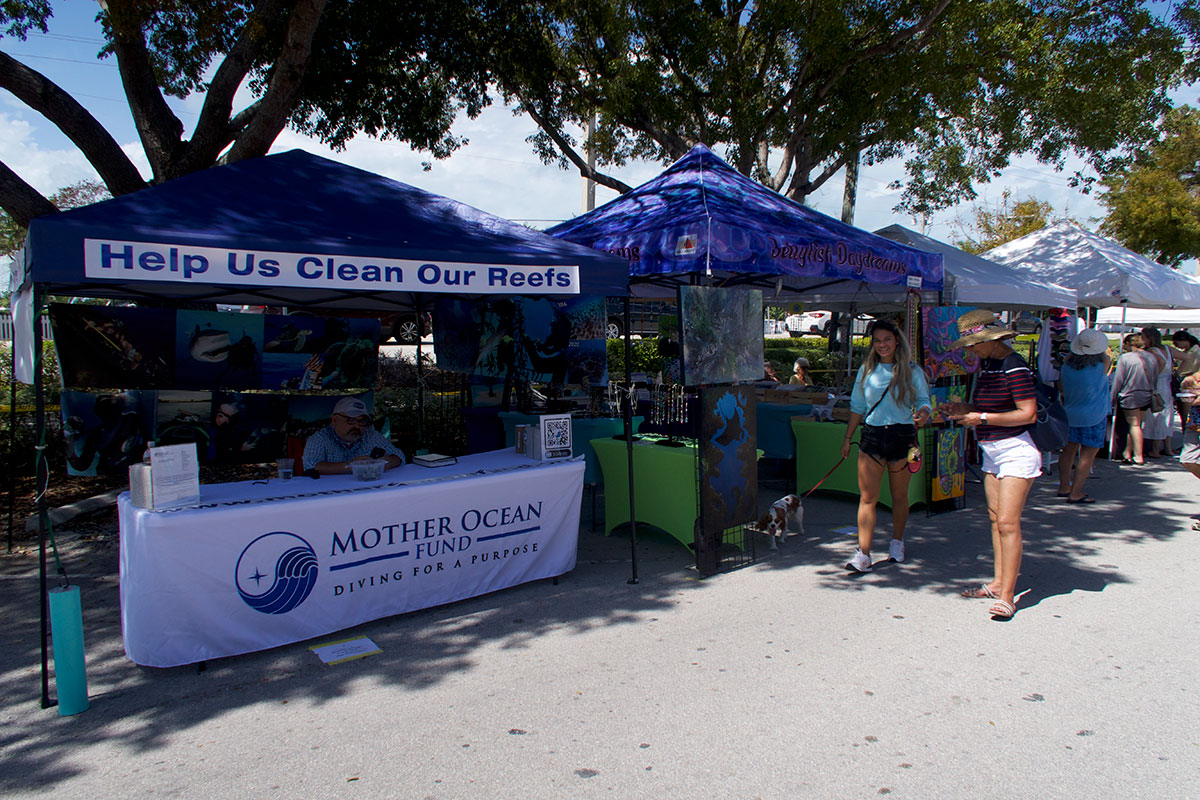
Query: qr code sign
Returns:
{"type": "Point", "coordinates": [556, 433]}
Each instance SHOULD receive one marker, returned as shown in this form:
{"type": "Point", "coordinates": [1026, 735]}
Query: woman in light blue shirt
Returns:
{"type": "Point", "coordinates": [891, 400]}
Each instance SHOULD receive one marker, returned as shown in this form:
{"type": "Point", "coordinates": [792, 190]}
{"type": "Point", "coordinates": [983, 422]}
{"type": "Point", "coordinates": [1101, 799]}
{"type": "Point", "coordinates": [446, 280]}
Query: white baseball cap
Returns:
{"type": "Point", "coordinates": [351, 407]}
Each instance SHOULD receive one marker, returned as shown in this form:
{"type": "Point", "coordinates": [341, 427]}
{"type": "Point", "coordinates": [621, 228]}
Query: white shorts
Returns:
{"type": "Point", "coordinates": [1014, 457]}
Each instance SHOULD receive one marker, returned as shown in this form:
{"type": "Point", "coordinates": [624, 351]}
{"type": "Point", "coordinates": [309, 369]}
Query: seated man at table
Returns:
{"type": "Point", "coordinates": [348, 437]}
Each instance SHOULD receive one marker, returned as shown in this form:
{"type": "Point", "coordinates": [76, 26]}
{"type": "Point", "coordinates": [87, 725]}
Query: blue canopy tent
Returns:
{"type": "Point", "coordinates": [701, 221]}
{"type": "Point", "coordinates": [701, 216]}
{"type": "Point", "coordinates": [295, 230]}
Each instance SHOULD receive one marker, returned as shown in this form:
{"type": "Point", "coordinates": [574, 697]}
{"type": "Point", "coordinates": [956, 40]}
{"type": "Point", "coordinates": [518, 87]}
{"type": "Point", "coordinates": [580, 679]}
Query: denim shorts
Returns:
{"type": "Point", "coordinates": [1089, 436]}
{"type": "Point", "coordinates": [887, 442]}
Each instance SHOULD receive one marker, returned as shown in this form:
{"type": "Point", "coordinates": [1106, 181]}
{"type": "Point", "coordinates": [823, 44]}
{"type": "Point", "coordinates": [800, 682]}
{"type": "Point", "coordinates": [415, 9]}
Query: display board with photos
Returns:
{"type": "Point", "coordinates": [123, 347]}
{"type": "Point", "coordinates": [231, 383]}
{"type": "Point", "coordinates": [108, 431]}
{"type": "Point", "coordinates": [537, 340]}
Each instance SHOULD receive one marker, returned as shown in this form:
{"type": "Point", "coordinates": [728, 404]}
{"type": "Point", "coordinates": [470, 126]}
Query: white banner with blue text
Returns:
{"type": "Point", "coordinates": [176, 263]}
{"type": "Point", "coordinates": [264, 564]}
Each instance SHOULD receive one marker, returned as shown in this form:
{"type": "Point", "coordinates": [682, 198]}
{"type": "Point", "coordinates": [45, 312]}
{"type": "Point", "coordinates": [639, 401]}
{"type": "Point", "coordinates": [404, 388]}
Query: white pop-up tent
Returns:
{"type": "Point", "coordinates": [1170, 319]}
{"type": "Point", "coordinates": [1101, 272]}
{"type": "Point", "coordinates": [974, 281]}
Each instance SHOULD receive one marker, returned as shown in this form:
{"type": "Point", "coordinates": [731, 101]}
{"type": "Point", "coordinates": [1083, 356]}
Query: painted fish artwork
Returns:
{"type": "Point", "coordinates": [722, 334]}
{"type": "Point", "coordinates": [950, 478]}
{"type": "Point", "coordinates": [941, 331]}
{"type": "Point", "coordinates": [728, 459]}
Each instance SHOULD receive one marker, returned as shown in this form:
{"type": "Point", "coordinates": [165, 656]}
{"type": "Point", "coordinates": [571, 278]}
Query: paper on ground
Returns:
{"type": "Point", "coordinates": [846, 529]}
{"type": "Point", "coordinates": [345, 650]}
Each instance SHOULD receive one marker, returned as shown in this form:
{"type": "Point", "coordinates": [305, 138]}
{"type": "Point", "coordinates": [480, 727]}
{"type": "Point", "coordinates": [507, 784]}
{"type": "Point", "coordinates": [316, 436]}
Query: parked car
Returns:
{"type": "Point", "coordinates": [818, 322]}
{"type": "Point", "coordinates": [1024, 322]}
{"type": "Point", "coordinates": [645, 317]}
{"type": "Point", "coordinates": [774, 327]}
{"type": "Point", "coordinates": [809, 322]}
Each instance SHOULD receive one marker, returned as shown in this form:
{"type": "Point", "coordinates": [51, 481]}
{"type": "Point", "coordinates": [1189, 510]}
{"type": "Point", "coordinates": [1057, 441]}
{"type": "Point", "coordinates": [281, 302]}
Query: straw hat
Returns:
{"type": "Point", "coordinates": [981, 325]}
{"type": "Point", "coordinates": [1090, 342]}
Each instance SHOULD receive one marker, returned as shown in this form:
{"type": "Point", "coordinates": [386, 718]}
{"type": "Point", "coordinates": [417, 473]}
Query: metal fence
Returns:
{"type": "Point", "coordinates": [6, 327]}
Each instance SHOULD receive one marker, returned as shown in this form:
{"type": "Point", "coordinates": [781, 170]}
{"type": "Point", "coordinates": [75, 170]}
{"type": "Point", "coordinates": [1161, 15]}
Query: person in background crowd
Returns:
{"type": "Point", "coordinates": [1083, 381]}
{"type": "Point", "coordinates": [800, 373]}
{"type": "Point", "coordinates": [1132, 385]}
{"type": "Point", "coordinates": [1004, 406]}
{"type": "Point", "coordinates": [1186, 356]}
{"type": "Point", "coordinates": [769, 373]}
{"type": "Point", "coordinates": [1156, 431]}
{"type": "Point", "coordinates": [891, 400]}
{"type": "Point", "coordinates": [348, 437]}
{"type": "Point", "coordinates": [1189, 454]}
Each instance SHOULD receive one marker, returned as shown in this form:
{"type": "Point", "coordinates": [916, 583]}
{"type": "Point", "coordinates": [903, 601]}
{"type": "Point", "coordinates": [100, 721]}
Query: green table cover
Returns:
{"type": "Point", "coordinates": [665, 491]}
{"type": "Point", "coordinates": [819, 446]}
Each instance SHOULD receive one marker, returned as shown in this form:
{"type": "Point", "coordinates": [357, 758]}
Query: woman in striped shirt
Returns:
{"type": "Point", "coordinates": [1004, 406]}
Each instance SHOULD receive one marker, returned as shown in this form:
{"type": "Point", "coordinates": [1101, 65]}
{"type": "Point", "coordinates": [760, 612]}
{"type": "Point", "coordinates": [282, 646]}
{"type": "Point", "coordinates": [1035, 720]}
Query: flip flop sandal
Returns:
{"type": "Point", "coordinates": [1084, 499]}
{"type": "Point", "coordinates": [1196, 525]}
{"type": "Point", "coordinates": [982, 590]}
{"type": "Point", "coordinates": [1002, 609]}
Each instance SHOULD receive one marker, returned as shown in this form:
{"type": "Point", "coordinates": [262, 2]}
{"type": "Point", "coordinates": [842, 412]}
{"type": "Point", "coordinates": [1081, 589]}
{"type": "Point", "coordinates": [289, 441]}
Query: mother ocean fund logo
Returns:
{"type": "Point", "coordinates": [276, 572]}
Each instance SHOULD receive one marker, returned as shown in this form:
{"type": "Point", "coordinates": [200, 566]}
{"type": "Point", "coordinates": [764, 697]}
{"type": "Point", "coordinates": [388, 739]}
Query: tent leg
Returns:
{"type": "Point", "coordinates": [12, 438]}
{"type": "Point", "coordinates": [41, 480]}
{"type": "Point", "coordinates": [628, 415]}
{"type": "Point", "coordinates": [420, 377]}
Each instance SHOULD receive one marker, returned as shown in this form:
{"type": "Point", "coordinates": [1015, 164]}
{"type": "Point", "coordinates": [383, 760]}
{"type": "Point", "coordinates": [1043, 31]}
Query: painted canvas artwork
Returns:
{"type": "Point", "coordinates": [950, 469]}
{"type": "Point", "coordinates": [941, 331]}
{"type": "Point", "coordinates": [940, 395]}
{"type": "Point", "coordinates": [728, 462]}
{"type": "Point", "coordinates": [722, 337]}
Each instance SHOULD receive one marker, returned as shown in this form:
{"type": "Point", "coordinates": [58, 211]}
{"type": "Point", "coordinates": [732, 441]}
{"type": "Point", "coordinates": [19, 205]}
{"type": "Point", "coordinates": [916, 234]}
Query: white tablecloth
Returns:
{"type": "Point", "coordinates": [259, 565]}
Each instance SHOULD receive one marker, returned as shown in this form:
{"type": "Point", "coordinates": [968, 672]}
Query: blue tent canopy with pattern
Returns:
{"type": "Point", "coordinates": [703, 216]}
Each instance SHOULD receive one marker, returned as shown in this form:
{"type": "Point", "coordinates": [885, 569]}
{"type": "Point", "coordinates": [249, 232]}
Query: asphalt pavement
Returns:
{"type": "Point", "coordinates": [787, 679]}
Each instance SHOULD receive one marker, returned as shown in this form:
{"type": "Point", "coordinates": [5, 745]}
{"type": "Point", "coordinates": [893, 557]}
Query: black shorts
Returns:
{"type": "Point", "coordinates": [887, 442]}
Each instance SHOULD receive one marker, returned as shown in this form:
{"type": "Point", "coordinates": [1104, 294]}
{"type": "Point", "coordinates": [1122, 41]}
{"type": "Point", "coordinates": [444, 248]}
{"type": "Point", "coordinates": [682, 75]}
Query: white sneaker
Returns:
{"type": "Point", "coordinates": [896, 550]}
{"type": "Point", "coordinates": [860, 562]}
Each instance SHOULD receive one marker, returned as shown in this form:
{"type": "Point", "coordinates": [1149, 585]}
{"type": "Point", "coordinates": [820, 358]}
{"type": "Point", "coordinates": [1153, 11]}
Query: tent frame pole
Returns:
{"type": "Point", "coordinates": [628, 419]}
{"type": "Point", "coordinates": [41, 480]}
{"type": "Point", "coordinates": [418, 302]}
{"type": "Point", "coordinates": [12, 435]}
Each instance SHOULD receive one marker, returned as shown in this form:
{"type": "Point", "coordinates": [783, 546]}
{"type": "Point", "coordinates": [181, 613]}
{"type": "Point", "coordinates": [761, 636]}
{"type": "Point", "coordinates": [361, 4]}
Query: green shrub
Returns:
{"type": "Point", "coordinates": [644, 357]}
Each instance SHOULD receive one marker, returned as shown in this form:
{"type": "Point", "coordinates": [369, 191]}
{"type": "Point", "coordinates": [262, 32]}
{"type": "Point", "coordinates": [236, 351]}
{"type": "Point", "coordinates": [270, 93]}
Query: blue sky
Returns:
{"type": "Point", "coordinates": [496, 171]}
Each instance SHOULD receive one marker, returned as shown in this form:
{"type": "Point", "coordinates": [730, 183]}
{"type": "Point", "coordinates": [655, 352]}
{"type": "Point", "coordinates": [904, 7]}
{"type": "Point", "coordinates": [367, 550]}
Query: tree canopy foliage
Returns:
{"type": "Point", "coordinates": [1154, 203]}
{"type": "Point", "coordinates": [992, 227]}
{"type": "Point", "coordinates": [794, 90]}
{"type": "Point", "coordinates": [82, 193]}
{"type": "Point", "coordinates": [330, 68]}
